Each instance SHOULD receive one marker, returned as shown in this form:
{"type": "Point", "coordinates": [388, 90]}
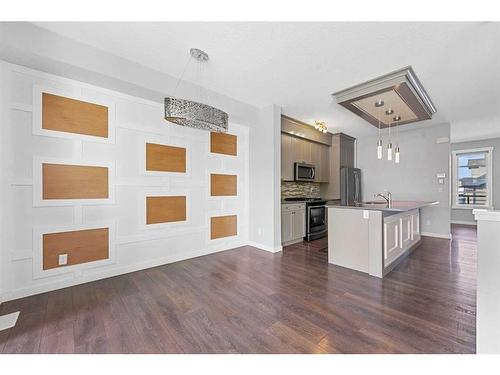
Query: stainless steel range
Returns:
{"type": "Point", "coordinates": [316, 221]}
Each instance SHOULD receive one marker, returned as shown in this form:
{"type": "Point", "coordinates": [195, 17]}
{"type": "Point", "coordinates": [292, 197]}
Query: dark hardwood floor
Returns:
{"type": "Point", "coordinates": [250, 301]}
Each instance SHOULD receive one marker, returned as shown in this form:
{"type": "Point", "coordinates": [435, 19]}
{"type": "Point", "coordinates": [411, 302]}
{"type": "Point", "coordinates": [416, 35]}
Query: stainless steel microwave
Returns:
{"type": "Point", "coordinates": [304, 172]}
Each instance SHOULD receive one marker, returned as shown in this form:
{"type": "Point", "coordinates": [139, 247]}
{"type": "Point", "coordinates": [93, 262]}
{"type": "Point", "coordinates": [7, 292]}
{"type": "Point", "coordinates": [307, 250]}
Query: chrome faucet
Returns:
{"type": "Point", "coordinates": [387, 197]}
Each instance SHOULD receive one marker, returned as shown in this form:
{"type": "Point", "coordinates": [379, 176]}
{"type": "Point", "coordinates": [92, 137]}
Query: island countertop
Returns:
{"type": "Point", "coordinates": [396, 206]}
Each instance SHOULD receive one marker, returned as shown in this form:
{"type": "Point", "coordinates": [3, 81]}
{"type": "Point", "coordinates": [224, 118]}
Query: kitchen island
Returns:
{"type": "Point", "coordinates": [373, 237]}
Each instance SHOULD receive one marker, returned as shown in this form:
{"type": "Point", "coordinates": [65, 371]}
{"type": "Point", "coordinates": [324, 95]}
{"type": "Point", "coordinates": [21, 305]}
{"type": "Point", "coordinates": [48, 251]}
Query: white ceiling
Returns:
{"type": "Point", "coordinates": [298, 65]}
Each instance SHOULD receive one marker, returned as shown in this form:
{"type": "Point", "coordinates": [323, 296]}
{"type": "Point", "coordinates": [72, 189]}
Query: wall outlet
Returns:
{"type": "Point", "coordinates": [259, 231]}
{"type": "Point", "coordinates": [63, 259]}
{"type": "Point", "coordinates": [366, 214]}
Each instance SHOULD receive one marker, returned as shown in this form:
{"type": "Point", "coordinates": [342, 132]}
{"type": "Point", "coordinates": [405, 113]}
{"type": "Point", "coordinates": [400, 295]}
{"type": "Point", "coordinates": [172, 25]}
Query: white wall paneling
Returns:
{"type": "Point", "coordinates": [39, 231]}
{"type": "Point", "coordinates": [159, 192]}
{"type": "Point", "coordinates": [136, 246]}
{"type": "Point", "coordinates": [38, 201]}
{"type": "Point", "coordinates": [72, 92]}
{"type": "Point", "coordinates": [164, 141]}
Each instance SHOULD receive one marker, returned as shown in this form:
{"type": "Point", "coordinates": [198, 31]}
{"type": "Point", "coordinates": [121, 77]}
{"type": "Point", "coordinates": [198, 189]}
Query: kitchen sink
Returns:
{"type": "Point", "coordinates": [372, 203]}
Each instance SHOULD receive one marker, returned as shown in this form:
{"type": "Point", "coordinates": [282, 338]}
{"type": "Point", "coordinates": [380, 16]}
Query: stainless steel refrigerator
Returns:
{"type": "Point", "coordinates": [350, 185]}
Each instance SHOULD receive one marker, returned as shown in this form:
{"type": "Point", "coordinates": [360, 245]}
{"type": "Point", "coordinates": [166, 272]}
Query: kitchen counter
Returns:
{"type": "Point", "coordinates": [396, 206]}
{"type": "Point", "coordinates": [372, 237]}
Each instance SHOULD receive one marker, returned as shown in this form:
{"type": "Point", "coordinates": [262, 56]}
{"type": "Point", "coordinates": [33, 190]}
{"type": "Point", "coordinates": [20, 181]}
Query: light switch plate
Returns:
{"type": "Point", "coordinates": [63, 259]}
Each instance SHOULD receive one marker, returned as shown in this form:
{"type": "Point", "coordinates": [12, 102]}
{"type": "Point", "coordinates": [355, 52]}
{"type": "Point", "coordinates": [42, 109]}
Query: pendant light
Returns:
{"type": "Point", "coordinates": [389, 145]}
{"type": "Point", "coordinates": [396, 152]}
{"type": "Point", "coordinates": [194, 114]}
{"type": "Point", "coordinates": [379, 104]}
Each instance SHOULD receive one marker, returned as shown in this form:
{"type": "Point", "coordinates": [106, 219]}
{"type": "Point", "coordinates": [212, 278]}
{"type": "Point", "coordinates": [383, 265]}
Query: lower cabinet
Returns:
{"type": "Point", "coordinates": [401, 231]}
{"type": "Point", "coordinates": [293, 223]}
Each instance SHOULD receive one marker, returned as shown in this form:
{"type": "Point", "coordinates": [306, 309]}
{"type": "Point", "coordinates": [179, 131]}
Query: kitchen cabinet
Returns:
{"type": "Point", "coordinates": [323, 173]}
{"type": "Point", "coordinates": [392, 250]}
{"type": "Point", "coordinates": [401, 232]}
{"type": "Point", "coordinates": [346, 150]}
{"type": "Point", "coordinates": [301, 150]}
{"type": "Point", "coordinates": [287, 157]}
{"type": "Point", "coordinates": [341, 154]}
{"type": "Point", "coordinates": [294, 149]}
{"type": "Point", "coordinates": [293, 223]}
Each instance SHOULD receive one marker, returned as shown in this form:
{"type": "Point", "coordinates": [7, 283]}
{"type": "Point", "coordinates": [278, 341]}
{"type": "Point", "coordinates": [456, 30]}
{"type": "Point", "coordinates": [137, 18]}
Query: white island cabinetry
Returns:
{"type": "Point", "coordinates": [373, 237]}
{"type": "Point", "coordinates": [401, 232]}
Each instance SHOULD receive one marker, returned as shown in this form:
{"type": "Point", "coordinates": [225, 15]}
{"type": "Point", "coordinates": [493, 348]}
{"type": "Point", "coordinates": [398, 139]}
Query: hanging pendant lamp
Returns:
{"type": "Point", "coordinates": [396, 151]}
{"type": "Point", "coordinates": [379, 104]}
{"type": "Point", "coordinates": [195, 114]}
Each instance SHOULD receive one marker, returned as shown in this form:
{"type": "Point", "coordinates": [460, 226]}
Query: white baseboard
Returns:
{"type": "Point", "coordinates": [8, 321]}
{"type": "Point", "coordinates": [437, 235]}
{"type": "Point", "coordinates": [464, 222]}
{"type": "Point", "coordinates": [115, 271]}
{"type": "Point", "coordinates": [276, 249]}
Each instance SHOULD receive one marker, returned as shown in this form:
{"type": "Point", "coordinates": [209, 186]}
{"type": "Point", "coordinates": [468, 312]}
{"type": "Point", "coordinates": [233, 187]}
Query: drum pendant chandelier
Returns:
{"type": "Point", "coordinates": [194, 114]}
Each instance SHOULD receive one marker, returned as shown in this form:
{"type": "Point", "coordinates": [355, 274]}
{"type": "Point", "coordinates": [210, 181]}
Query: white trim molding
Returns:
{"type": "Point", "coordinates": [38, 200]}
{"type": "Point", "coordinates": [71, 92]}
{"type": "Point", "coordinates": [271, 249]}
{"type": "Point", "coordinates": [463, 222]}
{"type": "Point", "coordinates": [163, 192]}
{"type": "Point", "coordinates": [436, 235]}
{"type": "Point", "coordinates": [39, 231]}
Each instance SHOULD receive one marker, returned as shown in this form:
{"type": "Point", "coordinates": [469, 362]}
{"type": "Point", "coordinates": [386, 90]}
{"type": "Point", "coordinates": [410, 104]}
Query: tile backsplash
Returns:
{"type": "Point", "coordinates": [293, 189]}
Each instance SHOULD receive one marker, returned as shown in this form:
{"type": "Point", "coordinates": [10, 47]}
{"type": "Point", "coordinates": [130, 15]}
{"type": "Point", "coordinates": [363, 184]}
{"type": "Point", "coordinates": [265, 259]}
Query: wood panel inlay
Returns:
{"type": "Point", "coordinates": [62, 181]}
{"type": "Point", "coordinates": [223, 184]}
{"type": "Point", "coordinates": [165, 209]}
{"type": "Point", "coordinates": [82, 246]}
{"type": "Point", "coordinates": [223, 143]}
{"type": "Point", "coordinates": [163, 158]}
{"type": "Point", "coordinates": [74, 116]}
{"type": "Point", "coordinates": [223, 226]}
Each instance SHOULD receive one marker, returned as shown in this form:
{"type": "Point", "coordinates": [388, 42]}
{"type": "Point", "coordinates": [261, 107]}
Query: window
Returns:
{"type": "Point", "coordinates": [472, 178]}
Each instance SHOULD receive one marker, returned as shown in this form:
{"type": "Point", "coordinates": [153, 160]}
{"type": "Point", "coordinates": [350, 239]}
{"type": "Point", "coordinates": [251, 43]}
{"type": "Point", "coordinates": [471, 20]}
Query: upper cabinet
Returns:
{"type": "Point", "coordinates": [346, 150]}
{"type": "Point", "coordinates": [304, 144]}
{"type": "Point", "coordinates": [287, 156]}
{"type": "Point", "coordinates": [295, 149]}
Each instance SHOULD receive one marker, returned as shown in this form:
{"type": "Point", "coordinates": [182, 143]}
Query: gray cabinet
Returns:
{"type": "Point", "coordinates": [294, 149]}
{"type": "Point", "coordinates": [346, 151]}
{"type": "Point", "coordinates": [293, 223]}
{"type": "Point", "coordinates": [341, 154]}
{"type": "Point", "coordinates": [287, 157]}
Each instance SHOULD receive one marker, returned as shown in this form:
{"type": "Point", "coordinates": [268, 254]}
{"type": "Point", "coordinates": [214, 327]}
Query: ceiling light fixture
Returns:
{"type": "Point", "coordinates": [401, 91]}
{"type": "Point", "coordinates": [320, 126]}
{"type": "Point", "coordinates": [396, 151]}
{"type": "Point", "coordinates": [379, 104]}
{"type": "Point", "coordinates": [389, 145]}
{"type": "Point", "coordinates": [195, 114]}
